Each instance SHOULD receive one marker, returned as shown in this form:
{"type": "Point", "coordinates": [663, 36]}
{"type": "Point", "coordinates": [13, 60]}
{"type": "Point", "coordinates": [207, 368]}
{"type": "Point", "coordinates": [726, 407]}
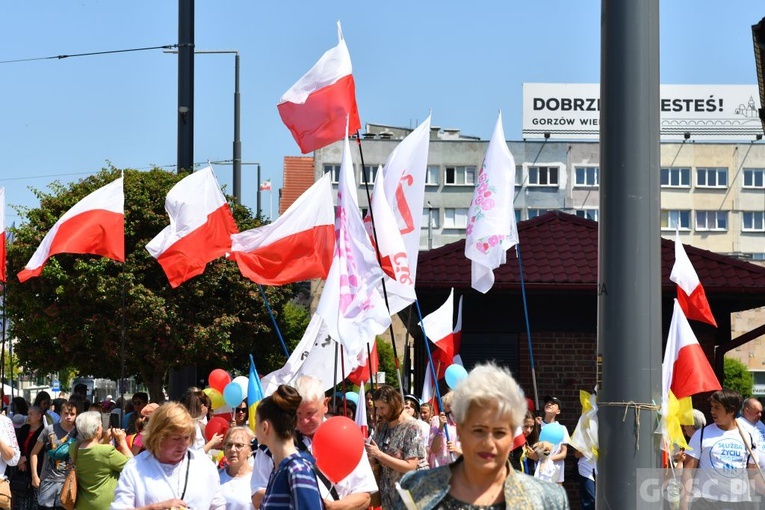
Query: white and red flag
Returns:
{"type": "Point", "coordinates": [361, 373]}
{"type": "Point", "coordinates": [491, 228]}
{"type": "Point", "coordinates": [393, 257]}
{"type": "Point", "coordinates": [2, 234]}
{"type": "Point", "coordinates": [296, 247]}
{"type": "Point", "coordinates": [265, 185]}
{"type": "Point", "coordinates": [685, 369]}
{"type": "Point", "coordinates": [361, 412]}
{"type": "Point", "coordinates": [351, 303]}
{"type": "Point", "coordinates": [200, 227]}
{"type": "Point", "coordinates": [404, 178]}
{"type": "Point", "coordinates": [317, 107]}
{"type": "Point", "coordinates": [438, 328]}
{"type": "Point", "coordinates": [94, 225]}
{"type": "Point", "coordinates": [690, 292]}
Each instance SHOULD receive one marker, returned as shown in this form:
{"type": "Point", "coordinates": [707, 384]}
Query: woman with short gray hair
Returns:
{"type": "Point", "coordinates": [98, 465]}
{"type": "Point", "coordinates": [488, 407]}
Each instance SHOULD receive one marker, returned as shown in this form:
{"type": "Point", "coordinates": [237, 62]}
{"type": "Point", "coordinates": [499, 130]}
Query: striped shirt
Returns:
{"type": "Point", "coordinates": [293, 485]}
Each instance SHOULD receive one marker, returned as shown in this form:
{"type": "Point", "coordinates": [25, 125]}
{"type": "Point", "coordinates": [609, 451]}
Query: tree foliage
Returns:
{"type": "Point", "coordinates": [737, 377]}
{"type": "Point", "coordinates": [387, 361]}
{"type": "Point", "coordinates": [72, 315]}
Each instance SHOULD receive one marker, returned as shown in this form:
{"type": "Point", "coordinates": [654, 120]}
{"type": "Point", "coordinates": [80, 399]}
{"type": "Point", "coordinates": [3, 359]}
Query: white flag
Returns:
{"type": "Point", "coordinates": [491, 229]}
{"type": "Point", "coordinates": [351, 304]}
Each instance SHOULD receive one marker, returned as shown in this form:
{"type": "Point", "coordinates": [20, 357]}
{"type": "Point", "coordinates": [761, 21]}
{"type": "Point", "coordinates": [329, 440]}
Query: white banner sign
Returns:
{"type": "Point", "coordinates": [707, 112]}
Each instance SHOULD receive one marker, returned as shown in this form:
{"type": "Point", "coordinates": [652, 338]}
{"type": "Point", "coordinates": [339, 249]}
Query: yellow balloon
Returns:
{"type": "Point", "coordinates": [216, 398]}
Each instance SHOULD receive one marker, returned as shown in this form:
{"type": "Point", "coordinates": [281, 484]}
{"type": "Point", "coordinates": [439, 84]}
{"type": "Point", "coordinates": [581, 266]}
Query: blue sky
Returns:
{"type": "Point", "coordinates": [65, 119]}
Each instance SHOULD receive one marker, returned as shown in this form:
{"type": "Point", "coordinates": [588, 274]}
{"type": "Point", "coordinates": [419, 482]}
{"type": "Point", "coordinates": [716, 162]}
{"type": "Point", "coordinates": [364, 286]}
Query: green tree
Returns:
{"type": "Point", "coordinates": [737, 377]}
{"type": "Point", "coordinates": [72, 315]}
{"type": "Point", "coordinates": [387, 361]}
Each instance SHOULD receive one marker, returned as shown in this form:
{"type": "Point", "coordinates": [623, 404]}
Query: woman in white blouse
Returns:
{"type": "Point", "coordinates": [235, 477]}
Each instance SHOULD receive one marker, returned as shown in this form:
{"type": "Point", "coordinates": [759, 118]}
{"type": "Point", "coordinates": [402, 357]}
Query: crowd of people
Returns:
{"type": "Point", "coordinates": [158, 456]}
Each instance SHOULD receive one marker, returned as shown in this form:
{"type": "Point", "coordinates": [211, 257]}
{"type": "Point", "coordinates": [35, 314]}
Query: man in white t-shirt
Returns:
{"type": "Point", "coordinates": [719, 451]}
{"type": "Point", "coordinates": [352, 492]}
{"type": "Point", "coordinates": [751, 415]}
{"type": "Point", "coordinates": [552, 410]}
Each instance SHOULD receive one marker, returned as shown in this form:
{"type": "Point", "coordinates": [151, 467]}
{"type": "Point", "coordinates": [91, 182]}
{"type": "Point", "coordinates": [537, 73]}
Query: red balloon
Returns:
{"type": "Point", "coordinates": [218, 379]}
{"type": "Point", "coordinates": [216, 425]}
{"type": "Point", "coordinates": [337, 447]}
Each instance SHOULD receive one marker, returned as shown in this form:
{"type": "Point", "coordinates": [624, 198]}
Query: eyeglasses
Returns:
{"type": "Point", "coordinates": [234, 446]}
{"type": "Point", "coordinates": [241, 409]}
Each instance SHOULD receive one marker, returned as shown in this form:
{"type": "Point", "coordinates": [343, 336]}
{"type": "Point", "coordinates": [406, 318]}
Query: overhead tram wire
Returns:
{"type": "Point", "coordinates": [89, 54]}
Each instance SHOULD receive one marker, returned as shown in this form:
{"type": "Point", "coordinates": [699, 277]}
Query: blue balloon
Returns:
{"type": "Point", "coordinates": [352, 397]}
{"type": "Point", "coordinates": [552, 433]}
{"type": "Point", "coordinates": [233, 394]}
{"type": "Point", "coordinates": [454, 374]}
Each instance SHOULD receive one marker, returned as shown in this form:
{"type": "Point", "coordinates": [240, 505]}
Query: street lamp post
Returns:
{"type": "Point", "coordinates": [237, 146]}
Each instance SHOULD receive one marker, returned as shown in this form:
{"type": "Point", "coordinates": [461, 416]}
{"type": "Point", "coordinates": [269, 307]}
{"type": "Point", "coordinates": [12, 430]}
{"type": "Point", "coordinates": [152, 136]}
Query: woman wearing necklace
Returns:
{"type": "Point", "coordinates": [488, 406]}
{"type": "Point", "coordinates": [169, 474]}
{"type": "Point", "coordinates": [292, 484]}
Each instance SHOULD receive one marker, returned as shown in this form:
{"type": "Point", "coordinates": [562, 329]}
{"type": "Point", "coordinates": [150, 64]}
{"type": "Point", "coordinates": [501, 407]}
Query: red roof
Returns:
{"type": "Point", "coordinates": [298, 177]}
{"type": "Point", "coordinates": [560, 251]}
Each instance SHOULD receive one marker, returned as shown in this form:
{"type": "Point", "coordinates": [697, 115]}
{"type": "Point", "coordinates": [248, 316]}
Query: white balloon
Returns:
{"type": "Point", "coordinates": [244, 383]}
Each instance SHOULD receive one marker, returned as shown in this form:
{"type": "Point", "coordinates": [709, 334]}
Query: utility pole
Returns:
{"type": "Point", "coordinates": [185, 86]}
{"type": "Point", "coordinates": [629, 279]}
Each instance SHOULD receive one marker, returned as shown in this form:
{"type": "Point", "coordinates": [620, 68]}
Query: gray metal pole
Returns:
{"type": "Point", "coordinates": [629, 293]}
{"type": "Point", "coordinates": [237, 137]}
{"type": "Point", "coordinates": [258, 203]}
{"type": "Point", "coordinates": [185, 85]}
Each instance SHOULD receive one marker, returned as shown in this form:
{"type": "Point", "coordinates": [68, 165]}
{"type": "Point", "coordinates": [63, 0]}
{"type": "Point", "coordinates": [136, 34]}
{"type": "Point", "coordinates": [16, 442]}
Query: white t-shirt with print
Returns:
{"type": "Point", "coordinates": [560, 464]}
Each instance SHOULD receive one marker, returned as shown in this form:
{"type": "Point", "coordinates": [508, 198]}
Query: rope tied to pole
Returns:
{"type": "Point", "coordinates": [639, 406]}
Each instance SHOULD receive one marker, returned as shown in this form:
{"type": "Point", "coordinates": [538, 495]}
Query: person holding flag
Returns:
{"type": "Point", "coordinates": [352, 492]}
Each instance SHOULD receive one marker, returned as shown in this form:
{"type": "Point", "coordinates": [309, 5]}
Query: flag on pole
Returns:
{"type": "Point", "coordinates": [317, 108]}
{"type": "Point", "coordinates": [200, 227]}
{"type": "Point", "coordinates": [438, 327]}
{"type": "Point", "coordinates": [393, 256]}
{"type": "Point", "coordinates": [296, 247]}
{"type": "Point", "coordinates": [491, 228]}
{"type": "Point", "coordinates": [404, 178]}
{"type": "Point", "coordinates": [457, 337]}
{"type": "Point", "coordinates": [585, 436]}
{"type": "Point", "coordinates": [690, 292]}
{"type": "Point", "coordinates": [254, 394]}
{"type": "Point", "coordinates": [685, 370]}
{"type": "Point", "coordinates": [265, 185]}
{"type": "Point", "coordinates": [361, 373]}
{"type": "Point", "coordinates": [428, 391]}
{"type": "Point", "coordinates": [351, 304]}
{"type": "Point", "coordinates": [361, 412]}
{"type": "Point", "coordinates": [94, 225]}
{"type": "Point", "coordinates": [2, 234]}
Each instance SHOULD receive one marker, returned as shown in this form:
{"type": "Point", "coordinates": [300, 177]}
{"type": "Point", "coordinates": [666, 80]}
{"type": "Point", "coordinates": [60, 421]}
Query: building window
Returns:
{"type": "Point", "coordinates": [518, 215]}
{"type": "Point", "coordinates": [754, 221]}
{"type": "Point", "coordinates": [586, 176]}
{"type": "Point", "coordinates": [335, 169]}
{"type": "Point", "coordinates": [590, 214]}
{"type": "Point", "coordinates": [671, 220]}
{"type": "Point", "coordinates": [455, 217]}
{"type": "Point", "coordinates": [518, 174]}
{"type": "Point", "coordinates": [460, 175]}
{"type": "Point", "coordinates": [427, 217]}
{"type": "Point", "coordinates": [754, 177]}
{"type": "Point", "coordinates": [431, 176]}
{"type": "Point", "coordinates": [675, 177]}
{"type": "Point", "coordinates": [757, 256]}
{"type": "Point", "coordinates": [534, 212]}
{"type": "Point", "coordinates": [543, 176]}
{"type": "Point", "coordinates": [712, 220]}
{"type": "Point", "coordinates": [370, 172]}
{"type": "Point", "coordinates": [712, 178]}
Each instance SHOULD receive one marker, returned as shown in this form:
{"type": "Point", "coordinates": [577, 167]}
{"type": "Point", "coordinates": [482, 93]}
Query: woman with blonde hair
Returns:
{"type": "Point", "coordinates": [488, 406]}
{"type": "Point", "coordinates": [169, 474]}
{"type": "Point", "coordinates": [98, 465]}
{"type": "Point", "coordinates": [235, 477]}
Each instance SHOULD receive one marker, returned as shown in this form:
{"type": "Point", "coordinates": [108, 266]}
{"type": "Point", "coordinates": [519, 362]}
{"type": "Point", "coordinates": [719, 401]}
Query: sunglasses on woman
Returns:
{"type": "Point", "coordinates": [241, 409]}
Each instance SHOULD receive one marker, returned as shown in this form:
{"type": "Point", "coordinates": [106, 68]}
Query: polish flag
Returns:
{"type": "Point", "coordinates": [438, 328]}
{"type": "Point", "coordinates": [428, 390]}
{"type": "Point", "coordinates": [685, 370]}
{"type": "Point", "coordinates": [2, 234]}
{"type": "Point", "coordinates": [390, 243]}
{"type": "Point", "coordinates": [690, 292]}
{"type": "Point", "coordinates": [315, 108]}
{"type": "Point", "coordinates": [200, 227]}
{"type": "Point", "coordinates": [491, 228]}
{"type": "Point", "coordinates": [94, 225]}
{"type": "Point", "coordinates": [296, 247]}
{"type": "Point", "coordinates": [518, 438]}
{"type": "Point", "coordinates": [361, 373]}
{"type": "Point", "coordinates": [361, 412]}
